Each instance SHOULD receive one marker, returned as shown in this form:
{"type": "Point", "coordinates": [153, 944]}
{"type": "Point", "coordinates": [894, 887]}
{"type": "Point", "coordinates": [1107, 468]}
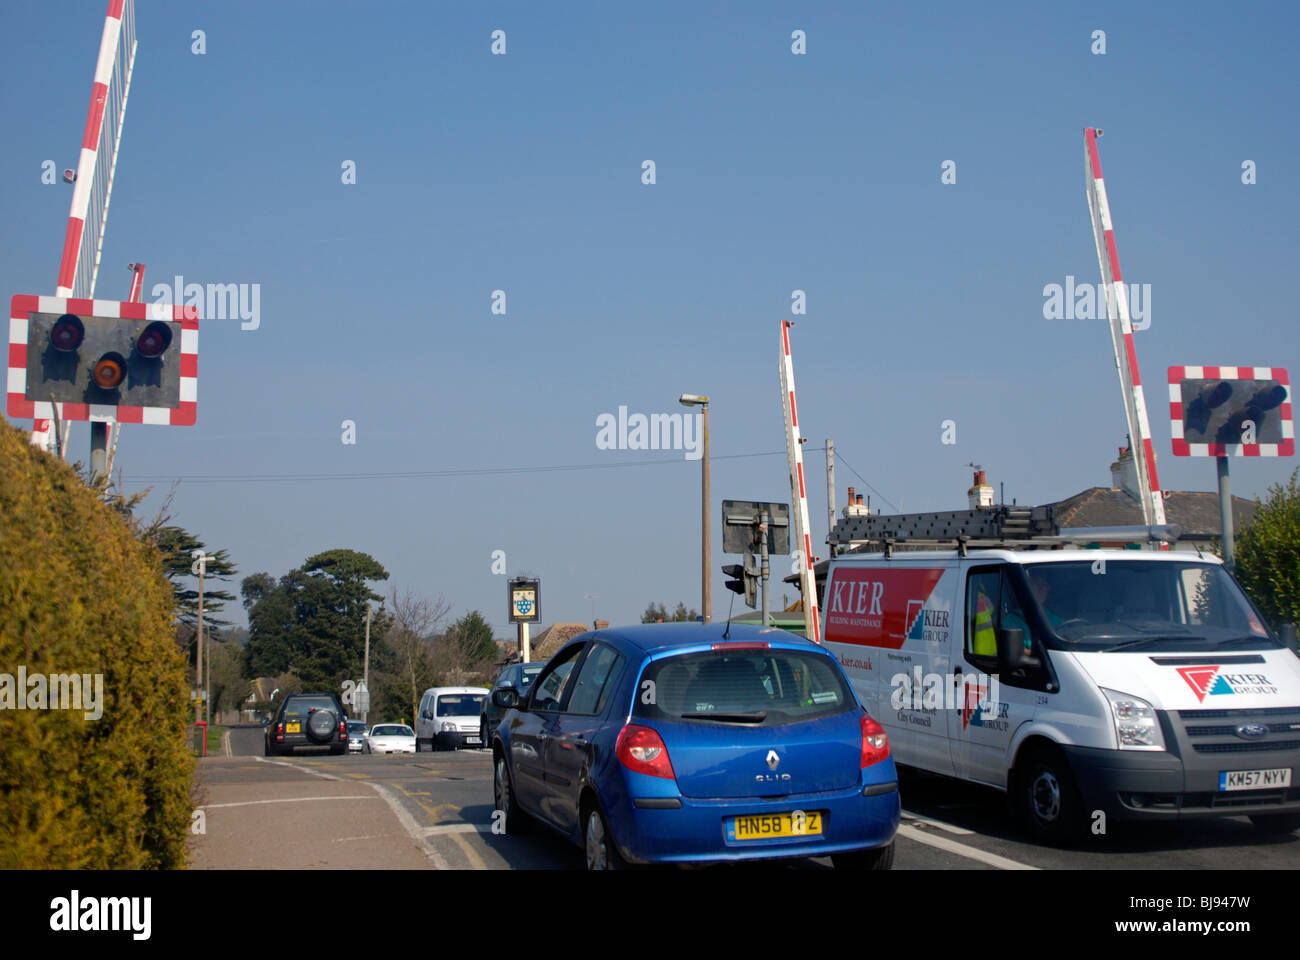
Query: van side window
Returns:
{"type": "Point", "coordinates": [992, 604]}
{"type": "Point", "coordinates": [983, 599]}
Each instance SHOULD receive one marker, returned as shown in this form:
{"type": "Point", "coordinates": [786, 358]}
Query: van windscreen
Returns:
{"type": "Point", "coordinates": [459, 704]}
{"type": "Point", "coordinates": [1146, 604]}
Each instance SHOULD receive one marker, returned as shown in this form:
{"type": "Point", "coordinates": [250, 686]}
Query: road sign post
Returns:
{"type": "Point", "coordinates": [525, 597]}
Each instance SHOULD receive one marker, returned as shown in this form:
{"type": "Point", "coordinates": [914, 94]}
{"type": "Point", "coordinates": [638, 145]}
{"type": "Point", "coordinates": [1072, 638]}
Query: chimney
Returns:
{"type": "Point", "coordinates": [601, 625]}
{"type": "Point", "coordinates": [1123, 474]}
{"type": "Point", "coordinates": [855, 507]}
{"type": "Point", "coordinates": [980, 495]}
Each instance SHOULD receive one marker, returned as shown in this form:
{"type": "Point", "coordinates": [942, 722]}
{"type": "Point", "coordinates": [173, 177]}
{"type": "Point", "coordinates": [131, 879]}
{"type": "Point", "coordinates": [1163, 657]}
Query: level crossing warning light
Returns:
{"type": "Point", "coordinates": [102, 360]}
{"type": "Point", "coordinates": [1218, 411]}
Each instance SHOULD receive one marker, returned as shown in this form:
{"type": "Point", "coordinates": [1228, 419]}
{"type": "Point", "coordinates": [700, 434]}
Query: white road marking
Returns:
{"type": "Point", "coordinates": [413, 829]}
{"type": "Point", "coordinates": [962, 850]}
{"type": "Point", "coordinates": [910, 817]}
{"type": "Point", "coordinates": [294, 766]}
{"type": "Point", "coordinates": [253, 803]}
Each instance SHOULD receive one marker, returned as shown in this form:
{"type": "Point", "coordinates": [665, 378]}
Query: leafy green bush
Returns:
{"type": "Point", "coordinates": [81, 593]}
{"type": "Point", "coordinates": [1268, 555]}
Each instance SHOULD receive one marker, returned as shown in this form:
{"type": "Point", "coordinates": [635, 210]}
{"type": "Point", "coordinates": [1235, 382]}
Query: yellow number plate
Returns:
{"type": "Point", "coordinates": [293, 728]}
{"type": "Point", "coordinates": [768, 826]}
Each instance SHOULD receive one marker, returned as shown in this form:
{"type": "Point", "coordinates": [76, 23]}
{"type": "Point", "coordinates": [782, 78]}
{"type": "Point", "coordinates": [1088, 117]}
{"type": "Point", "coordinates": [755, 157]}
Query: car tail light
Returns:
{"type": "Point", "coordinates": [875, 744]}
{"type": "Point", "coordinates": [343, 731]}
{"type": "Point", "coordinates": [741, 645]}
{"type": "Point", "coordinates": [279, 731]}
{"type": "Point", "coordinates": [642, 750]}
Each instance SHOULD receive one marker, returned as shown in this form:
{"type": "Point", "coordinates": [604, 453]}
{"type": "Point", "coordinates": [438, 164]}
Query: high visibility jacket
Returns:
{"type": "Point", "coordinates": [984, 642]}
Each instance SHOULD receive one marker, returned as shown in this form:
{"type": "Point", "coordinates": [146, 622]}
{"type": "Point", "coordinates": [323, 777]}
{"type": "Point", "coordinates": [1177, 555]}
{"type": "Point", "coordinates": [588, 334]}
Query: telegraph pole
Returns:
{"type": "Point", "coordinates": [199, 568]}
{"type": "Point", "coordinates": [365, 667]}
{"type": "Point", "coordinates": [198, 673]}
{"type": "Point", "coordinates": [830, 490]}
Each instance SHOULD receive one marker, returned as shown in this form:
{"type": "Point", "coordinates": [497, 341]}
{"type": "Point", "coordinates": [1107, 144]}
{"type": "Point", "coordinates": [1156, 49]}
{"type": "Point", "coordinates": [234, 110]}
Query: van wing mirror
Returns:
{"type": "Point", "coordinates": [1012, 655]}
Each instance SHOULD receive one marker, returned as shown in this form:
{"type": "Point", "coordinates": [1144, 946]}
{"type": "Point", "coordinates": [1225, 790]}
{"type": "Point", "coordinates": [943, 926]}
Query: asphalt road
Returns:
{"type": "Point", "coordinates": [435, 810]}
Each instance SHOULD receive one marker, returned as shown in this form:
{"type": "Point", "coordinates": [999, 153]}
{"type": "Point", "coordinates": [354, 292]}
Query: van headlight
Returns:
{"type": "Point", "coordinates": [1137, 727]}
{"type": "Point", "coordinates": [448, 727]}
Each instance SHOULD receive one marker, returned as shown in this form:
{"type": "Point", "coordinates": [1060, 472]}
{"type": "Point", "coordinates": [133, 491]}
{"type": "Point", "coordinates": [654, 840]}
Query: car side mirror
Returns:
{"type": "Point", "coordinates": [506, 697]}
{"type": "Point", "coordinates": [1011, 651]}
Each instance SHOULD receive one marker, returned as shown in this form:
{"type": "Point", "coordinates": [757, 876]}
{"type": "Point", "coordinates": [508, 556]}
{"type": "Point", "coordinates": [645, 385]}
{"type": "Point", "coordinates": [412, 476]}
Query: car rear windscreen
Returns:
{"type": "Point", "coordinates": [765, 687]}
{"type": "Point", "coordinates": [302, 706]}
{"type": "Point", "coordinates": [459, 704]}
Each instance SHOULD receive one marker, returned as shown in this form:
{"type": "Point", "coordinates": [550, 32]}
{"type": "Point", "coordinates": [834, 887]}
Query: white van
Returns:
{"type": "Point", "coordinates": [448, 718]}
{"type": "Point", "coordinates": [1141, 684]}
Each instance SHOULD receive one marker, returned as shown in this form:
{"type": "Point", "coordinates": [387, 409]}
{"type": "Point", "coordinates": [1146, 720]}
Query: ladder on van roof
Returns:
{"type": "Point", "coordinates": [1007, 527]}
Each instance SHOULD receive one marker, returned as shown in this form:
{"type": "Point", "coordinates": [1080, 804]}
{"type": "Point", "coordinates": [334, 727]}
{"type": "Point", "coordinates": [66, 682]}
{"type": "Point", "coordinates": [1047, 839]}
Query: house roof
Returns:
{"type": "Point", "coordinates": [1197, 513]}
{"type": "Point", "coordinates": [547, 643]}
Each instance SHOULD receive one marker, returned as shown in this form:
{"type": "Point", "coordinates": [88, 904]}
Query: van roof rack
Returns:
{"type": "Point", "coordinates": [1005, 527]}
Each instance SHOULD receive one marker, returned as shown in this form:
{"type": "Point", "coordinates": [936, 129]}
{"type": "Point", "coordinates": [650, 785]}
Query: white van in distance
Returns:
{"type": "Point", "coordinates": [448, 718]}
{"type": "Point", "coordinates": [1142, 684]}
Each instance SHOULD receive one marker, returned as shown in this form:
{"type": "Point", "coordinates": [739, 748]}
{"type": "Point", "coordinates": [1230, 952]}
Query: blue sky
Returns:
{"type": "Point", "coordinates": [774, 172]}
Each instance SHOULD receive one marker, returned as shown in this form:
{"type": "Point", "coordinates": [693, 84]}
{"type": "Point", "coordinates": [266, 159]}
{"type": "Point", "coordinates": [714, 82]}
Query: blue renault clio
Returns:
{"type": "Point", "coordinates": [694, 743]}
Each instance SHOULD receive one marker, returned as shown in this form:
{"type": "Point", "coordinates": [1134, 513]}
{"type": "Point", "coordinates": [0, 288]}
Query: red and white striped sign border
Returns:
{"type": "Point", "coordinates": [22, 306]}
{"type": "Point", "coordinates": [1184, 449]}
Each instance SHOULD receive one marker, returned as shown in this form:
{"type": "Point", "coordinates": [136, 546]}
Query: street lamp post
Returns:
{"type": "Point", "coordinates": [706, 603]}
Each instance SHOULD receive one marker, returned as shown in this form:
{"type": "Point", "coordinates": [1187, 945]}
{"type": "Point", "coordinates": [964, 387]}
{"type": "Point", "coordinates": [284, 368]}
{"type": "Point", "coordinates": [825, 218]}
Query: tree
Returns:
{"type": "Point", "coordinates": [656, 612]}
{"type": "Point", "coordinates": [403, 664]}
{"type": "Point", "coordinates": [313, 621]}
{"type": "Point", "coordinates": [466, 651]}
{"type": "Point", "coordinates": [229, 685]}
{"type": "Point", "coordinates": [1268, 555]}
{"type": "Point", "coordinates": [177, 547]}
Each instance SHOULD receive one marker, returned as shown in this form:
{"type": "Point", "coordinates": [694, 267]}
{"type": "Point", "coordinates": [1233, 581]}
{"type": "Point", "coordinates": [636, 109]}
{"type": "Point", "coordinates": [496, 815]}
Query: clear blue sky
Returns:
{"type": "Point", "coordinates": [775, 172]}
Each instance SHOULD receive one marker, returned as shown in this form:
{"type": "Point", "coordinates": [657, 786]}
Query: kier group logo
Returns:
{"type": "Point", "coordinates": [1208, 681]}
{"type": "Point", "coordinates": [877, 608]}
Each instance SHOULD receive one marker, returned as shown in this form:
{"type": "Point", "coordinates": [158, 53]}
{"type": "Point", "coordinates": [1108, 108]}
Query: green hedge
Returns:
{"type": "Point", "coordinates": [80, 593]}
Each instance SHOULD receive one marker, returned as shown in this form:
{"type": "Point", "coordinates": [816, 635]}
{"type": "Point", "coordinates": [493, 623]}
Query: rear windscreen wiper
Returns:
{"type": "Point", "coordinates": [758, 717]}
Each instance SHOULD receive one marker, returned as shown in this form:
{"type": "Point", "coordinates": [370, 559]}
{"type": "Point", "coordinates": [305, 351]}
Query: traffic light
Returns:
{"type": "Point", "coordinates": [132, 362]}
{"type": "Point", "coordinates": [746, 579]}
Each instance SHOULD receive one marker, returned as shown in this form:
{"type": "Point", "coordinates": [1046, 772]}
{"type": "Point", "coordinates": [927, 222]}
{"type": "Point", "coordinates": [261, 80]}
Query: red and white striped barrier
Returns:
{"type": "Point", "coordinates": [1121, 331]}
{"type": "Point", "coordinates": [798, 490]}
